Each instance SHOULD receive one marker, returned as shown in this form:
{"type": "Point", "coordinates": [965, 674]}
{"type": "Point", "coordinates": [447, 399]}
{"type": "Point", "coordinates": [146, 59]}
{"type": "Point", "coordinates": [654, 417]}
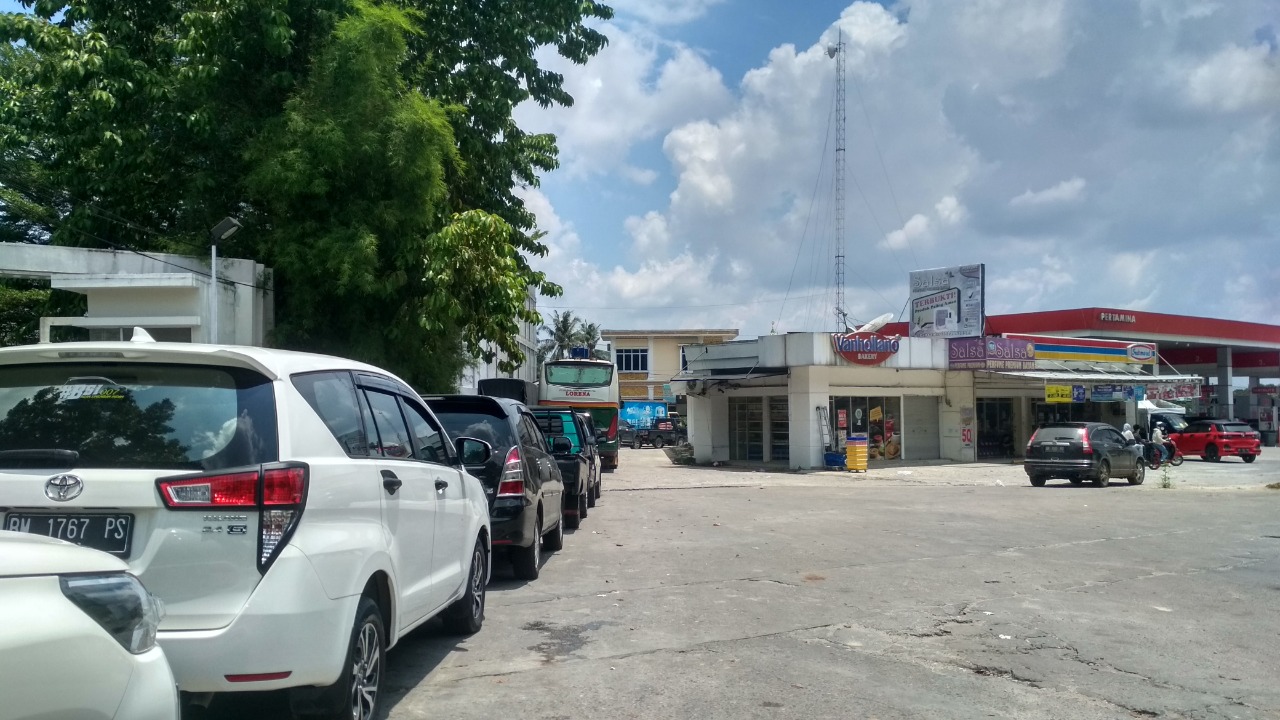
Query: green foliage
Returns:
{"type": "Point", "coordinates": [21, 303]}
{"type": "Point", "coordinates": [368, 148]}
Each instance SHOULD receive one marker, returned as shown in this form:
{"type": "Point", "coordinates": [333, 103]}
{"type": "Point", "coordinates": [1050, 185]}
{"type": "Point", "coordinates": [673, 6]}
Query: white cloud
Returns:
{"type": "Point", "coordinates": [950, 211]}
{"type": "Point", "coordinates": [972, 129]}
{"type": "Point", "coordinates": [1237, 79]}
{"type": "Point", "coordinates": [635, 89]}
{"type": "Point", "coordinates": [1064, 192]}
{"type": "Point", "coordinates": [649, 232]}
{"type": "Point", "coordinates": [916, 230]}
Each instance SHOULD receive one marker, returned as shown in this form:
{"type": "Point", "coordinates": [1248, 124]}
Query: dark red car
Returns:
{"type": "Point", "coordinates": [1216, 439]}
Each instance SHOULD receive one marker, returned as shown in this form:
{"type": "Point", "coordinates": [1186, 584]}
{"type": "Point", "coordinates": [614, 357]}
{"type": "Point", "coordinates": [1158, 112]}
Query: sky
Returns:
{"type": "Point", "coordinates": [1111, 153]}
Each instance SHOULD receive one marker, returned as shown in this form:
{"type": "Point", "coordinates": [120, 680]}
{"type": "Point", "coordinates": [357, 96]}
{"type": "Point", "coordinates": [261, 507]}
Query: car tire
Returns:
{"type": "Point", "coordinates": [1038, 480]}
{"type": "Point", "coordinates": [466, 615]}
{"type": "Point", "coordinates": [593, 492]}
{"type": "Point", "coordinates": [1139, 475]}
{"type": "Point", "coordinates": [583, 502]}
{"type": "Point", "coordinates": [572, 522]}
{"type": "Point", "coordinates": [527, 561]}
{"type": "Point", "coordinates": [635, 444]}
{"type": "Point", "coordinates": [554, 540]}
{"type": "Point", "coordinates": [1103, 478]}
{"type": "Point", "coordinates": [362, 672]}
{"type": "Point", "coordinates": [1211, 453]}
{"type": "Point", "coordinates": [1248, 458]}
{"type": "Point", "coordinates": [1076, 480]}
{"type": "Point", "coordinates": [658, 442]}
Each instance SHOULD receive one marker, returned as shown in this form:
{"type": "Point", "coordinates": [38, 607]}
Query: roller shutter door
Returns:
{"type": "Point", "coordinates": [923, 440]}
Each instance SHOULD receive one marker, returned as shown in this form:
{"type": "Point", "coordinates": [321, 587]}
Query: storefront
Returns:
{"type": "Point", "coordinates": [790, 398]}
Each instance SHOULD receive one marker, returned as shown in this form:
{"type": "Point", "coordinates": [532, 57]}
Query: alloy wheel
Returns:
{"type": "Point", "coordinates": [477, 580]}
{"type": "Point", "coordinates": [366, 674]}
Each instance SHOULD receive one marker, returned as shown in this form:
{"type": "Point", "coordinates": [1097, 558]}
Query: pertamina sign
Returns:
{"type": "Point", "coordinates": [865, 348]}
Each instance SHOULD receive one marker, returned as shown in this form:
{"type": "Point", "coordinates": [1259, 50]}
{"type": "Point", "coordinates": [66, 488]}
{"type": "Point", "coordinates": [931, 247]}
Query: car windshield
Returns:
{"type": "Point", "coordinates": [1236, 428]}
{"type": "Point", "coordinates": [135, 415]}
{"type": "Point", "coordinates": [580, 375]}
{"type": "Point", "coordinates": [1058, 433]}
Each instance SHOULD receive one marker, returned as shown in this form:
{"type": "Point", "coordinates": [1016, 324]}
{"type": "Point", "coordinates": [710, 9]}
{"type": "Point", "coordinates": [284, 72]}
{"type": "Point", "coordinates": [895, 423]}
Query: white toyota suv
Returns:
{"type": "Point", "coordinates": [296, 513]}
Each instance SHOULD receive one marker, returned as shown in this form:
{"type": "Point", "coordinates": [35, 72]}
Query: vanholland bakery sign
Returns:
{"type": "Point", "coordinates": [865, 348]}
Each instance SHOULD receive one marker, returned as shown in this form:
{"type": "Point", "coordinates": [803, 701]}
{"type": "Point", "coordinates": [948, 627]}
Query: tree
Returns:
{"type": "Point", "coordinates": [563, 332]}
{"type": "Point", "coordinates": [139, 126]}
{"type": "Point", "coordinates": [589, 337]}
{"type": "Point", "coordinates": [20, 306]}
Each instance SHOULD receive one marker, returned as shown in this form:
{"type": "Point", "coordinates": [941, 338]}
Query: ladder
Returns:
{"type": "Point", "coordinates": [824, 422]}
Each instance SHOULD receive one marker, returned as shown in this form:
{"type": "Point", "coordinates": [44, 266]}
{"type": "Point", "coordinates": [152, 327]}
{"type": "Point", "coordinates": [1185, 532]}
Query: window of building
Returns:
{"type": "Point", "coordinates": [633, 360]}
{"type": "Point", "coordinates": [684, 359]}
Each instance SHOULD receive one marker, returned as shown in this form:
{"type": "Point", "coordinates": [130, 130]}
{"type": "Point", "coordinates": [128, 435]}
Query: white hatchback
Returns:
{"type": "Point", "coordinates": [296, 513]}
{"type": "Point", "coordinates": [78, 637]}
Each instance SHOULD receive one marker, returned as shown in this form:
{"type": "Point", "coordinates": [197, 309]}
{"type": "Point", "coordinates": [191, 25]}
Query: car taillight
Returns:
{"type": "Point", "coordinates": [512, 482]}
{"type": "Point", "coordinates": [613, 429]}
{"type": "Point", "coordinates": [1032, 440]}
{"type": "Point", "coordinates": [1085, 448]}
{"type": "Point", "coordinates": [231, 490]}
{"type": "Point", "coordinates": [279, 492]}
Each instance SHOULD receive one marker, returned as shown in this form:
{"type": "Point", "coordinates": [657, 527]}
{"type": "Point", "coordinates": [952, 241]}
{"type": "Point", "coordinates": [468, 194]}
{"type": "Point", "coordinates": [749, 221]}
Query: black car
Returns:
{"type": "Point", "coordinates": [663, 431]}
{"type": "Point", "coordinates": [1083, 450]}
{"type": "Point", "coordinates": [592, 447]}
{"type": "Point", "coordinates": [521, 478]}
{"type": "Point", "coordinates": [626, 433]}
{"type": "Point", "coordinates": [572, 458]}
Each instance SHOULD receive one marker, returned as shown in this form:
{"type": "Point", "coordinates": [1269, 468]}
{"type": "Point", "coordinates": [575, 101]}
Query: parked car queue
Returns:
{"type": "Point", "coordinates": [256, 495]}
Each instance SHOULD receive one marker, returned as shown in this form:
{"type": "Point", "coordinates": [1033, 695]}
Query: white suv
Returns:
{"type": "Point", "coordinates": [296, 513]}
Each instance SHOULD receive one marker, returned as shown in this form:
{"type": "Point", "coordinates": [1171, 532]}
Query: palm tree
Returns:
{"type": "Point", "coordinates": [589, 336]}
{"type": "Point", "coordinates": [564, 332]}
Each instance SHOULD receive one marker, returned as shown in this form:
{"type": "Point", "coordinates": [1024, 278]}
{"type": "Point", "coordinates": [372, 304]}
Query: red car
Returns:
{"type": "Point", "coordinates": [1216, 439]}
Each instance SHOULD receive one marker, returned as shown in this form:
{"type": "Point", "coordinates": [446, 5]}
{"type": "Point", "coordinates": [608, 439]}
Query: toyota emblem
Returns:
{"type": "Point", "coordinates": [61, 488]}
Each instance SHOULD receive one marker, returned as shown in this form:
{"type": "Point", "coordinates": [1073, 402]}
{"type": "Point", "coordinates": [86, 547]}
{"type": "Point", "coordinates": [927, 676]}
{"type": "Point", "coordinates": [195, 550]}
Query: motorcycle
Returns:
{"type": "Point", "coordinates": [1155, 458]}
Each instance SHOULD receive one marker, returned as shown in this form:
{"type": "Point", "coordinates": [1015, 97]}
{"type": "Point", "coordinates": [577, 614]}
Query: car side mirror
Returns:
{"type": "Point", "coordinates": [473, 451]}
{"type": "Point", "coordinates": [602, 436]}
{"type": "Point", "coordinates": [561, 445]}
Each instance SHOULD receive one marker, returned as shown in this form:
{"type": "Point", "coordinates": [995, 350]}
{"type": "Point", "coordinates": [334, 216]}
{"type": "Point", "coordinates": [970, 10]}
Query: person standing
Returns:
{"type": "Point", "coordinates": [1127, 432]}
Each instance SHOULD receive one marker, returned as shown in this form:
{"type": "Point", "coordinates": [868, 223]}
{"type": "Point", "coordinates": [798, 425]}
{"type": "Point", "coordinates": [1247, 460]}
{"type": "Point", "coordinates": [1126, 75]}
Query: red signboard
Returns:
{"type": "Point", "coordinates": [865, 348]}
{"type": "Point", "coordinates": [1265, 389]}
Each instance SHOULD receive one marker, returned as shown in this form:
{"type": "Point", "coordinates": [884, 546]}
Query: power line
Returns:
{"type": "Point", "coordinates": [889, 183]}
{"type": "Point", "coordinates": [817, 180]}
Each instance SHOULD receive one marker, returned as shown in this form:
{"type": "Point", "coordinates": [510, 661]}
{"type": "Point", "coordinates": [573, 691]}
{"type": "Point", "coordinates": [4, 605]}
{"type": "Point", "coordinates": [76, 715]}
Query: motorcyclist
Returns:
{"type": "Point", "coordinates": [1158, 438]}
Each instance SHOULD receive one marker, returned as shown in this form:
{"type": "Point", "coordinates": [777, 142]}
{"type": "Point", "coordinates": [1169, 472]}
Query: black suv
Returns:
{"type": "Point", "coordinates": [1083, 450]}
{"type": "Point", "coordinates": [563, 424]}
{"type": "Point", "coordinates": [521, 477]}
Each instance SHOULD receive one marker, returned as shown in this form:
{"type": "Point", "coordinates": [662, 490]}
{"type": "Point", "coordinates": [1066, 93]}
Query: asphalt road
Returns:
{"type": "Point", "coordinates": [926, 592]}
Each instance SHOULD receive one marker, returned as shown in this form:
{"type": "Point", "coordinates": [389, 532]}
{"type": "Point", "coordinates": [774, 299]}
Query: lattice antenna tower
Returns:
{"type": "Point", "coordinates": [837, 51]}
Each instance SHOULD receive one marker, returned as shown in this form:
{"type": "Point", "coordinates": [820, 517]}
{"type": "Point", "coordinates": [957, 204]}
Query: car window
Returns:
{"type": "Point", "coordinates": [482, 421]}
{"type": "Point", "coordinates": [1107, 435]}
{"type": "Point", "coordinates": [428, 441]}
{"type": "Point", "coordinates": [333, 396]}
{"type": "Point", "coordinates": [1059, 434]}
{"type": "Point", "coordinates": [1236, 428]}
{"type": "Point", "coordinates": [138, 415]}
{"type": "Point", "coordinates": [553, 424]}
{"type": "Point", "coordinates": [530, 436]}
{"type": "Point", "coordinates": [393, 434]}
{"type": "Point", "coordinates": [1198, 428]}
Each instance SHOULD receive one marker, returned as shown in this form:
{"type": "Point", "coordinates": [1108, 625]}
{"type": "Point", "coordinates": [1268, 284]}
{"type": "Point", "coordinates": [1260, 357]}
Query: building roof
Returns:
{"type": "Point", "coordinates": [1129, 324]}
{"type": "Point", "coordinates": [733, 332]}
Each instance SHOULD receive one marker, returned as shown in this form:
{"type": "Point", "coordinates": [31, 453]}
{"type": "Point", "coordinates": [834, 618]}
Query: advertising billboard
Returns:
{"type": "Point", "coordinates": [990, 353]}
{"type": "Point", "coordinates": [948, 302]}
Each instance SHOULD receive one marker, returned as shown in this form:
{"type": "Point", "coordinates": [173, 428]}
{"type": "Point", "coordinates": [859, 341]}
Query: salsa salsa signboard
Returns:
{"type": "Point", "coordinates": [865, 348]}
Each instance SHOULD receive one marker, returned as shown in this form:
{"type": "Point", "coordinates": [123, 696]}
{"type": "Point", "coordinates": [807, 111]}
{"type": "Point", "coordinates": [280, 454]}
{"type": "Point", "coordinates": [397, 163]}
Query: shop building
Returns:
{"type": "Point", "coordinates": [647, 360]}
{"type": "Point", "coordinates": [788, 398]}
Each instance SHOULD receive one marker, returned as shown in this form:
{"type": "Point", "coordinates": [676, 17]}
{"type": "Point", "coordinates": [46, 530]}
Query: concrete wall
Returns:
{"type": "Point", "coordinates": [708, 424]}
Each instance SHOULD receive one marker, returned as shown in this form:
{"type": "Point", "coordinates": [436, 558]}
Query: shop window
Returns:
{"type": "Point", "coordinates": [779, 430]}
{"type": "Point", "coordinates": [879, 417]}
{"type": "Point", "coordinates": [633, 360]}
{"type": "Point", "coordinates": [746, 429]}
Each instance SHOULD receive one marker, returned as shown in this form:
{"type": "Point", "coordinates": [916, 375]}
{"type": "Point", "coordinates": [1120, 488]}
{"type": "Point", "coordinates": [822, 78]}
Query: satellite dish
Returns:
{"type": "Point", "coordinates": [876, 324]}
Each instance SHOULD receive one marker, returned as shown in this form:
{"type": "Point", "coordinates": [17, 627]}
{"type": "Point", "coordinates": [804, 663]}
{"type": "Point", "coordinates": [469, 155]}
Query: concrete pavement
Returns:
{"type": "Point", "coordinates": [952, 592]}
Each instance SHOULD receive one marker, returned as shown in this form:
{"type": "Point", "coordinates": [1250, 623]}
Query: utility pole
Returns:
{"type": "Point", "coordinates": [837, 51]}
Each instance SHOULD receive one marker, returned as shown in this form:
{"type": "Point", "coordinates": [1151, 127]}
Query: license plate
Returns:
{"type": "Point", "coordinates": [1051, 448]}
{"type": "Point", "coordinates": [108, 533]}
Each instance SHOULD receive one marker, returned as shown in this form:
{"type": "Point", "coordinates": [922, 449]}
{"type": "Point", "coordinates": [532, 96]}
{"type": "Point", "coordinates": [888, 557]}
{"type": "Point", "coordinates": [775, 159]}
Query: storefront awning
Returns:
{"type": "Point", "coordinates": [733, 374]}
{"type": "Point", "coordinates": [1098, 376]}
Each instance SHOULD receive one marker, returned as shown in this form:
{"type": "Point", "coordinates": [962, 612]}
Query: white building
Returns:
{"type": "Point", "coordinates": [171, 296]}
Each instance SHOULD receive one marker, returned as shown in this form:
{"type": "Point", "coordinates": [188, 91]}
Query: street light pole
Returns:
{"type": "Point", "coordinates": [223, 230]}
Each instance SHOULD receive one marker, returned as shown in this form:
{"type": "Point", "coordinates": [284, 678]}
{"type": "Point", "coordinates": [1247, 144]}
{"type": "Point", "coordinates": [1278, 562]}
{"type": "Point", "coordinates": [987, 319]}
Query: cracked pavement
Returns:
{"type": "Point", "coordinates": [687, 594]}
